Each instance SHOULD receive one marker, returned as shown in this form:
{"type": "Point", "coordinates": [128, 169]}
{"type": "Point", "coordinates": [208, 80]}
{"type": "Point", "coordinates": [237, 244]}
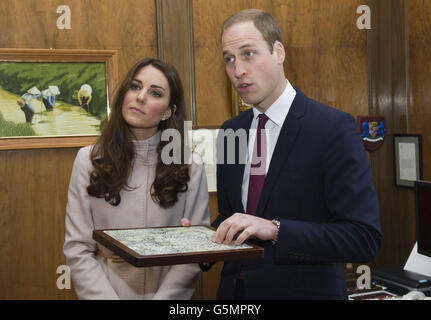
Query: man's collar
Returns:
{"type": "Point", "coordinates": [278, 111]}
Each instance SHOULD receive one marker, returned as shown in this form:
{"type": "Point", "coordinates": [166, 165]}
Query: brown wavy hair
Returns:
{"type": "Point", "coordinates": [114, 152]}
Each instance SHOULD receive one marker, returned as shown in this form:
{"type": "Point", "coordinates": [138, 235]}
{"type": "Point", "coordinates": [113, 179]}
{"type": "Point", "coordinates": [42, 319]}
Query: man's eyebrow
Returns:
{"type": "Point", "coordinates": [245, 46]}
{"type": "Point", "coordinates": [152, 86]}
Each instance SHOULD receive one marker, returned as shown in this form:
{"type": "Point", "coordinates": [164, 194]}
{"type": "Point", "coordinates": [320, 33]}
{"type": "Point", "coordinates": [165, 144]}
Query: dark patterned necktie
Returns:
{"type": "Point", "coordinates": [258, 166]}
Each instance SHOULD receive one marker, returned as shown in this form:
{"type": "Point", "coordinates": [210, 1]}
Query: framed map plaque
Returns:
{"type": "Point", "coordinates": [147, 247]}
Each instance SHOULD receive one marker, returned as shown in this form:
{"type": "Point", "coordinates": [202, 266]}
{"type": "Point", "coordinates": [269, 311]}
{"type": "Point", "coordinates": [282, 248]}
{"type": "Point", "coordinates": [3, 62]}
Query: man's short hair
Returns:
{"type": "Point", "coordinates": [263, 21]}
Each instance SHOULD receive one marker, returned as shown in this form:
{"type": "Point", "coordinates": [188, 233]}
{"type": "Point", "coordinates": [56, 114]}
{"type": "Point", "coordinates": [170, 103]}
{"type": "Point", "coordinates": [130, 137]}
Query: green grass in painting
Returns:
{"type": "Point", "coordinates": [12, 129]}
{"type": "Point", "coordinates": [18, 77]}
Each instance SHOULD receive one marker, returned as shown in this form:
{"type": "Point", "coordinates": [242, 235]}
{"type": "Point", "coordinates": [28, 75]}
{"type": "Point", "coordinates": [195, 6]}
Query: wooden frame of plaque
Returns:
{"type": "Point", "coordinates": [138, 260]}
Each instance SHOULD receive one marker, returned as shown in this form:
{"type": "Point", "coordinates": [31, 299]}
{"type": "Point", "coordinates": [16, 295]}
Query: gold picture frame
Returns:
{"type": "Point", "coordinates": [23, 70]}
{"type": "Point", "coordinates": [238, 105]}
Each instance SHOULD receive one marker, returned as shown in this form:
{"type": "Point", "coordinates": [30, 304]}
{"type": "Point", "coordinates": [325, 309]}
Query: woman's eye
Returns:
{"type": "Point", "coordinates": [249, 54]}
{"type": "Point", "coordinates": [156, 94]}
{"type": "Point", "coordinates": [134, 86]}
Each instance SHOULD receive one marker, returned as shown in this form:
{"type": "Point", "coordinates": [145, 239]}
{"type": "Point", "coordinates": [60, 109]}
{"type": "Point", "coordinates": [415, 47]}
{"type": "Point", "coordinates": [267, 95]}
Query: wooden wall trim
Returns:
{"type": "Point", "coordinates": [388, 62]}
{"type": "Point", "coordinates": [389, 85]}
{"type": "Point", "coordinates": [174, 24]}
{"type": "Point", "coordinates": [420, 80]}
{"type": "Point", "coordinates": [175, 45]}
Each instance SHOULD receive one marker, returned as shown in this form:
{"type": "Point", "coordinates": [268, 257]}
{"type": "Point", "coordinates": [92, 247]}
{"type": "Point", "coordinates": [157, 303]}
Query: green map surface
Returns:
{"type": "Point", "coordinates": [156, 241]}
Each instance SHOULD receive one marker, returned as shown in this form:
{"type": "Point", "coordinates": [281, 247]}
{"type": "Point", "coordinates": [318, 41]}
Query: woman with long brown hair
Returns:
{"type": "Point", "coordinates": [123, 182]}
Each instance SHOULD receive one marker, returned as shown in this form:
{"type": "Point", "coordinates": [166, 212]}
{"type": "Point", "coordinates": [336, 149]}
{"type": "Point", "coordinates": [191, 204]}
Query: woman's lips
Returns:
{"type": "Point", "coordinates": [137, 110]}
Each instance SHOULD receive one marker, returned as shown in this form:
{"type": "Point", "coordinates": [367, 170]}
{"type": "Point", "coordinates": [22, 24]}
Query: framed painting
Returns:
{"type": "Point", "coordinates": [54, 98]}
{"type": "Point", "coordinates": [408, 159]}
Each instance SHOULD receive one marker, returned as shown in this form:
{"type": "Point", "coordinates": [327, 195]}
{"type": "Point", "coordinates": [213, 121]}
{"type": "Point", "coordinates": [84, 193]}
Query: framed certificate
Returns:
{"type": "Point", "coordinates": [146, 247]}
{"type": "Point", "coordinates": [408, 159]}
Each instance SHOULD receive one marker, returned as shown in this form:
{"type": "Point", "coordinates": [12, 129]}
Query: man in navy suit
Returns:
{"type": "Point", "coordinates": [310, 201]}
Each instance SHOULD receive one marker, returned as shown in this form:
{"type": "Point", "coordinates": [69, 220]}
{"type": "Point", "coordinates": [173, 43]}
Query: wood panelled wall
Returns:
{"type": "Point", "coordinates": [419, 13]}
{"type": "Point", "coordinates": [324, 50]}
{"type": "Point", "coordinates": [399, 87]}
{"type": "Point", "coordinates": [328, 58]}
{"type": "Point", "coordinates": [34, 183]}
{"type": "Point", "coordinates": [388, 78]}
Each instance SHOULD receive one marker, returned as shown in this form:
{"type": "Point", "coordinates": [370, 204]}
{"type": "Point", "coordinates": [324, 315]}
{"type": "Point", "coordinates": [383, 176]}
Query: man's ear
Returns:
{"type": "Point", "coordinates": [279, 51]}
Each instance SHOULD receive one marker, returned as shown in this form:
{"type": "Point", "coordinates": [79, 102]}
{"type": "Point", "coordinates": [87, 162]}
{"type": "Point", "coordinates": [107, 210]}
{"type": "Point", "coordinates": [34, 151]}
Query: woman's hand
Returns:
{"type": "Point", "coordinates": [185, 222]}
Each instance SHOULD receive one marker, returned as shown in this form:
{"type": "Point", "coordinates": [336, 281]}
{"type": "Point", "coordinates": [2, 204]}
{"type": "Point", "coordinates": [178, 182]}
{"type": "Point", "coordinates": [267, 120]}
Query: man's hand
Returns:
{"type": "Point", "coordinates": [245, 226]}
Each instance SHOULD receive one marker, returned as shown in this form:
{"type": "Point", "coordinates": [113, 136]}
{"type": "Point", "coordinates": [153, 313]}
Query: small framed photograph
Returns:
{"type": "Point", "coordinates": [408, 159]}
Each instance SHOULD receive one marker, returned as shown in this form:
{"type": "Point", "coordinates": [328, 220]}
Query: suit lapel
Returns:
{"type": "Point", "coordinates": [288, 134]}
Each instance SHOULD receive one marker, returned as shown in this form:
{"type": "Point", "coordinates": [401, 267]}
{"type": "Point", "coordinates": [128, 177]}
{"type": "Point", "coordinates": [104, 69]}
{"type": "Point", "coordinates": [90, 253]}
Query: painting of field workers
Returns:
{"type": "Point", "coordinates": [52, 98]}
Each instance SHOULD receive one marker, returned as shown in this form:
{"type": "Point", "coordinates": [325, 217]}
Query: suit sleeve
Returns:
{"type": "Point", "coordinates": [89, 279]}
{"type": "Point", "coordinates": [353, 232]}
{"type": "Point", "coordinates": [180, 281]}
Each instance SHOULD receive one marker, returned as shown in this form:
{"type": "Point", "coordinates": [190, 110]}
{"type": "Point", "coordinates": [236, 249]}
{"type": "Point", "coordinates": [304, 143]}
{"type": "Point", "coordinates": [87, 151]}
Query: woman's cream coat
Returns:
{"type": "Point", "coordinates": [96, 272]}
